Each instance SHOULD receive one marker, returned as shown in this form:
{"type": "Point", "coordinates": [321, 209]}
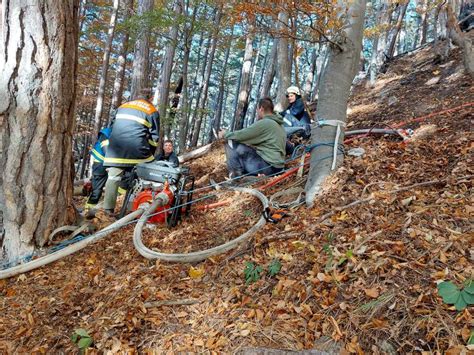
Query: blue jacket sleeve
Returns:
{"type": "Point", "coordinates": [297, 109]}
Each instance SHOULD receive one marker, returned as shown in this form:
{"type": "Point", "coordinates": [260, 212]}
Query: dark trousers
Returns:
{"type": "Point", "coordinates": [243, 160]}
{"type": "Point", "coordinates": [99, 178]}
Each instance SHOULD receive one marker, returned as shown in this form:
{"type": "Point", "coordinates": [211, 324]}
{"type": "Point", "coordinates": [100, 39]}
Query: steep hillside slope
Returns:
{"type": "Point", "coordinates": [360, 269]}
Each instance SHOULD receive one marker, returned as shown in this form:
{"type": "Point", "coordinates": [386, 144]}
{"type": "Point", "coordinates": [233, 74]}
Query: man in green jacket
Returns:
{"type": "Point", "coordinates": [258, 149]}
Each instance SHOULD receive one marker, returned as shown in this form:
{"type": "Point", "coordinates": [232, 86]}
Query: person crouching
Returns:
{"type": "Point", "coordinates": [258, 149]}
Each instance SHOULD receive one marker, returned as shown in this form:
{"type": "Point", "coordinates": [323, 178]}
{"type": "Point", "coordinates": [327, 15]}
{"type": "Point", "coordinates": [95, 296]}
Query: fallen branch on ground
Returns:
{"type": "Point", "coordinates": [183, 302]}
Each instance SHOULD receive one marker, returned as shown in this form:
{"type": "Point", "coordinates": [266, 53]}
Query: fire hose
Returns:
{"type": "Point", "coordinates": [49, 258]}
{"type": "Point", "coordinates": [198, 255]}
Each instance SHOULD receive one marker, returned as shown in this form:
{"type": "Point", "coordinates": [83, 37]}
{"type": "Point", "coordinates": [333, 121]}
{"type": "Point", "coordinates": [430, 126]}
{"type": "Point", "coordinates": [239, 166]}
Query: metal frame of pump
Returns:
{"type": "Point", "coordinates": [179, 192]}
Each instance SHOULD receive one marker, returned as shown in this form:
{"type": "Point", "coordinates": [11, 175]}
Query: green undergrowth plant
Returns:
{"type": "Point", "coordinates": [82, 339]}
{"type": "Point", "coordinates": [460, 298]}
{"type": "Point", "coordinates": [252, 272]}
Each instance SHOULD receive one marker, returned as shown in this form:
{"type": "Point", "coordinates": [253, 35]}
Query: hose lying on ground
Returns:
{"type": "Point", "coordinates": [198, 255]}
{"type": "Point", "coordinates": [49, 258]}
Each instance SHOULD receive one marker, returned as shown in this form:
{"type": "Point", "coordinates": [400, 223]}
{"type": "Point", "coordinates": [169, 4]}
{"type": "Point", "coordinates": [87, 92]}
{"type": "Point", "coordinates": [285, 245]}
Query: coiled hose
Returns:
{"type": "Point", "coordinates": [198, 255]}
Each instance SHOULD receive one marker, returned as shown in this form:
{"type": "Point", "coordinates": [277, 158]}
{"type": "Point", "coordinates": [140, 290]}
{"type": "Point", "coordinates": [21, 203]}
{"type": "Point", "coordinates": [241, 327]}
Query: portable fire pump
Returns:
{"type": "Point", "coordinates": [157, 177]}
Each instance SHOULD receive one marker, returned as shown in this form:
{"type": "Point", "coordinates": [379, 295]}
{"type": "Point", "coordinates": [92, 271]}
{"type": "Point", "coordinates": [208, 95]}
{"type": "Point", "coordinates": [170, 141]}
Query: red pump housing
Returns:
{"type": "Point", "coordinates": [146, 196]}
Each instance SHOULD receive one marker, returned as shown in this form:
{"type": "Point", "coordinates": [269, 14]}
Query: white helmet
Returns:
{"type": "Point", "coordinates": [293, 90]}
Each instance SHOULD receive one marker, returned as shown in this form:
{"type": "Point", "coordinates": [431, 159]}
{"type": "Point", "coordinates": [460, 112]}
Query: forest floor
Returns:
{"type": "Point", "coordinates": [364, 278]}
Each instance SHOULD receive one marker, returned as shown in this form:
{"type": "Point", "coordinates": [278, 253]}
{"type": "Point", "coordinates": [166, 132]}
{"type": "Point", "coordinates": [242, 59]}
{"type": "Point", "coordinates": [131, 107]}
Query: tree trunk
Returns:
{"type": "Point", "coordinates": [166, 71]}
{"type": "Point", "coordinates": [188, 37]}
{"type": "Point", "coordinates": [460, 39]}
{"type": "Point", "coordinates": [308, 86]}
{"type": "Point", "coordinates": [245, 78]}
{"type": "Point", "coordinates": [121, 65]}
{"type": "Point", "coordinates": [210, 61]}
{"type": "Point", "coordinates": [141, 54]}
{"type": "Point", "coordinates": [197, 93]}
{"type": "Point", "coordinates": [270, 71]}
{"type": "Point", "coordinates": [260, 82]}
{"type": "Point", "coordinates": [37, 89]}
{"type": "Point", "coordinates": [334, 93]}
{"type": "Point", "coordinates": [424, 22]}
{"type": "Point", "coordinates": [317, 86]}
{"type": "Point", "coordinates": [216, 126]}
{"type": "Point", "coordinates": [103, 73]}
{"type": "Point", "coordinates": [284, 66]}
{"type": "Point", "coordinates": [396, 29]}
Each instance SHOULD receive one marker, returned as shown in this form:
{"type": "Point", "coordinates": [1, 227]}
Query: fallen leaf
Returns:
{"type": "Point", "coordinates": [245, 332]}
{"type": "Point", "coordinates": [195, 273]}
{"type": "Point", "coordinates": [372, 292]}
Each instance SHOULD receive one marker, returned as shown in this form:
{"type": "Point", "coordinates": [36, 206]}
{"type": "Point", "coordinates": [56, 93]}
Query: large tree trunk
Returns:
{"type": "Point", "coordinates": [140, 71]}
{"type": "Point", "coordinates": [121, 64]}
{"type": "Point", "coordinates": [205, 88]}
{"type": "Point", "coordinates": [37, 89]}
{"type": "Point", "coordinates": [245, 78]}
{"type": "Point", "coordinates": [332, 105]}
{"type": "Point", "coordinates": [284, 65]}
{"type": "Point", "coordinates": [103, 73]}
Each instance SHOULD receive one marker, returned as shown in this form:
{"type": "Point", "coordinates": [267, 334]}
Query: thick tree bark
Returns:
{"type": "Point", "coordinates": [284, 66]}
{"type": "Point", "coordinates": [121, 65]}
{"type": "Point", "coordinates": [37, 89]}
{"type": "Point", "coordinates": [103, 73]}
{"type": "Point", "coordinates": [205, 88]}
{"type": "Point", "coordinates": [245, 79]}
{"type": "Point", "coordinates": [332, 105]}
{"type": "Point", "coordinates": [140, 71]}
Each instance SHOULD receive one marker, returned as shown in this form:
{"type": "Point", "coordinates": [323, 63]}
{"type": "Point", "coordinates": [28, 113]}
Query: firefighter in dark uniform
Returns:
{"type": "Point", "coordinates": [135, 132]}
{"type": "Point", "coordinates": [99, 174]}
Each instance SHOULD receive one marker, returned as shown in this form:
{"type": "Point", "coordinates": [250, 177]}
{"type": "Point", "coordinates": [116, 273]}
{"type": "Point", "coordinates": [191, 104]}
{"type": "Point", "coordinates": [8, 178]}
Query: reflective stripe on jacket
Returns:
{"type": "Point", "coordinates": [100, 147]}
{"type": "Point", "coordinates": [135, 131]}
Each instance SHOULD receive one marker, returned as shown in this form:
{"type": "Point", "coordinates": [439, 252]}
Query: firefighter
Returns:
{"type": "Point", "coordinates": [168, 153]}
{"type": "Point", "coordinates": [99, 174]}
{"type": "Point", "coordinates": [135, 132]}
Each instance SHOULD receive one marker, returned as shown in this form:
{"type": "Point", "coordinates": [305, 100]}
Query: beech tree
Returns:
{"type": "Point", "coordinates": [332, 104]}
{"type": "Point", "coordinates": [37, 89]}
